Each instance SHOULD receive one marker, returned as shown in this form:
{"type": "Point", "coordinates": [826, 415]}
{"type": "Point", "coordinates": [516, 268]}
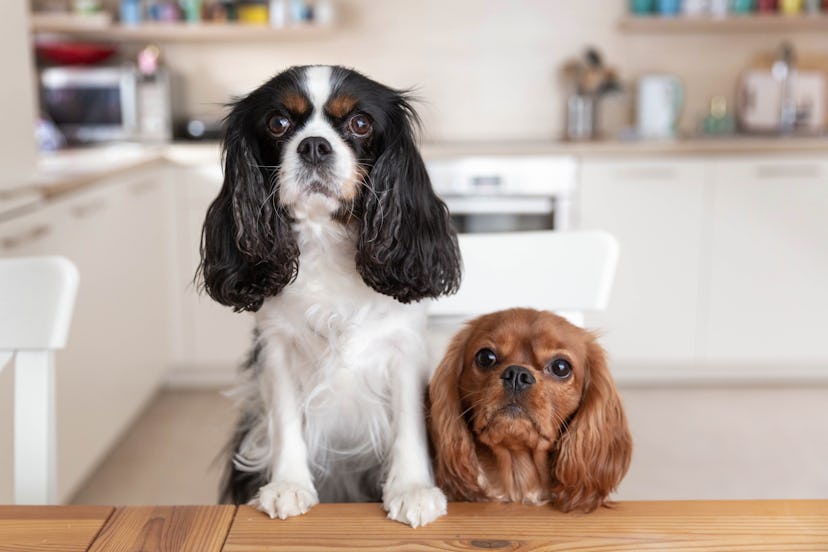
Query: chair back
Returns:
{"type": "Point", "coordinates": [37, 297]}
{"type": "Point", "coordinates": [565, 272]}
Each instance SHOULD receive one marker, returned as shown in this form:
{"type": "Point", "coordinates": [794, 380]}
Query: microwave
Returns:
{"type": "Point", "coordinates": [109, 103]}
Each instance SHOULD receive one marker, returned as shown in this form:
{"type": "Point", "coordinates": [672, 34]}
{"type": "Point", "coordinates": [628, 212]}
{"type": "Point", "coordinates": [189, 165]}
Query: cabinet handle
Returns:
{"type": "Point", "coordinates": [87, 209]}
{"type": "Point", "coordinates": [646, 173]}
{"type": "Point", "coordinates": [788, 171]}
{"type": "Point", "coordinates": [27, 237]}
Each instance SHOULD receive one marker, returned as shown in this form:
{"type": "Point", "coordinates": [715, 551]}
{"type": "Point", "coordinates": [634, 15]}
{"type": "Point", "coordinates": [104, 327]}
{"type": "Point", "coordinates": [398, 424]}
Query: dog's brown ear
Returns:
{"type": "Point", "coordinates": [593, 453]}
{"type": "Point", "coordinates": [456, 464]}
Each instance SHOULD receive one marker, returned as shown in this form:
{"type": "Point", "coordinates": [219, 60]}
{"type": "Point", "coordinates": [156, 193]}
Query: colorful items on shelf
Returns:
{"type": "Point", "coordinates": [722, 8]}
{"type": "Point", "coordinates": [276, 12]}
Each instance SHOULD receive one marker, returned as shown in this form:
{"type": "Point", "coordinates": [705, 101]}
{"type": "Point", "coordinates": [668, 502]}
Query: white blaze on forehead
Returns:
{"type": "Point", "coordinates": [318, 83]}
{"type": "Point", "coordinates": [294, 175]}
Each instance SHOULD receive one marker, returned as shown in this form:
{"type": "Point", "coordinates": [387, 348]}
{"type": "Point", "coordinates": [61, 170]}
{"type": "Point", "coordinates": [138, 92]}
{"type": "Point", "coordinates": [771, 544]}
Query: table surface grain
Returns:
{"type": "Point", "coordinates": [733, 526]}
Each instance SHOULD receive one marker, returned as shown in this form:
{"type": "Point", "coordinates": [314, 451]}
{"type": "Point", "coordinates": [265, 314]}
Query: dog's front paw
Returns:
{"type": "Point", "coordinates": [418, 505]}
{"type": "Point", "coordinates": [284, 499]}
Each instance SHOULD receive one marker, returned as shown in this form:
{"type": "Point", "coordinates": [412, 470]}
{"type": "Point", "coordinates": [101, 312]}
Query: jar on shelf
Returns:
{"type": "Point", "coordinates": [790, 7]}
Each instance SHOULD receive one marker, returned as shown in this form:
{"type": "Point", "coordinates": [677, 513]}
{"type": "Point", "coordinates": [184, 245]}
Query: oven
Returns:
{"type": "Point", "coordinates": [487, 194]}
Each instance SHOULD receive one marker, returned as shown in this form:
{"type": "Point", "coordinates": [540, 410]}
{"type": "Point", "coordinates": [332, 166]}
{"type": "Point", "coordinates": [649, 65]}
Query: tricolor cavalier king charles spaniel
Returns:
{"type": "Point", "coordinates": [523, 409]}
{"type": "Point", "coordinates": [327, 227]}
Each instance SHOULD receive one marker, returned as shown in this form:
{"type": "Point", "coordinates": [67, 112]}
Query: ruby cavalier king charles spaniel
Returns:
{"type": "Point", "coordinates": [523, 409]}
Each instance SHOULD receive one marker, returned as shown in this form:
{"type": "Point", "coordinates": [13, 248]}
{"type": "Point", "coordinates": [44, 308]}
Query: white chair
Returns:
{"type": "Point", "coordinates": [37, 297]}
{"type": "Point", "coordinates": [564, 272]}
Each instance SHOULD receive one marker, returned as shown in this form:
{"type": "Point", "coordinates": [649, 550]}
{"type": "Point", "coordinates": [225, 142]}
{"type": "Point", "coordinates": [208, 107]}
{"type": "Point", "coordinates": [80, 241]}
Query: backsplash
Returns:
{"type": "Point", "coordinates": [483, 69]}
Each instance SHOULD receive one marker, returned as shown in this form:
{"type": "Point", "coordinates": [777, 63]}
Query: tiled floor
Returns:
{"type": "Point", "coordinates": [169, 456]}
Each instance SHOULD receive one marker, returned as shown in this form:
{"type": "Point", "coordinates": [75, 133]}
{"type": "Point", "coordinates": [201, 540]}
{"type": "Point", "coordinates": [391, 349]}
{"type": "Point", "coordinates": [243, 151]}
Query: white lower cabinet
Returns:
{"type": "Point", "coordinates": [723, 262]}
{"type": "Point", "coordinates": [118, 346]}
{"type": "Point", "coordinates": [211, 338]}
{"type": "Point", "coordinates": [655, 209]}
{"type": "Point", "coordinates": [767, 275]}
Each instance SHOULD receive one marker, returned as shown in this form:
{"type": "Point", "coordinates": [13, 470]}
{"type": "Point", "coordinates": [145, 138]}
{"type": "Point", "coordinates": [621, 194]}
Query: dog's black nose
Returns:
{"type": "Point", "coordinates": [314, 150]}
{"type": "Point", "coordinates": [517, 378]}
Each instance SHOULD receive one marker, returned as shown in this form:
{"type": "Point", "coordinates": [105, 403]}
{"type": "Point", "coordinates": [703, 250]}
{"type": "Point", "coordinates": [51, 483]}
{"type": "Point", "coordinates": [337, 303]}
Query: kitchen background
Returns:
{"type": "Point", "coordinates": [718, 319]}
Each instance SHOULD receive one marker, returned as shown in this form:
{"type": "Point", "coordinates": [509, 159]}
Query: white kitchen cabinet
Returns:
{"type": "Point", "coordinates": [767, 282]}
{"type": "Point", "coordinates": [655, 208]}
{"type": "Point", "coordinates": [118, 347]}
{"type": "Point", "coordinates": [211, 339]}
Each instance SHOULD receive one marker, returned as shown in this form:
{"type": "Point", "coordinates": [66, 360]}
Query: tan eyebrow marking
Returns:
{"type": "Point", "coordinates": [341, 105]}
{"type": "Point", "coordinates": [296, 103]}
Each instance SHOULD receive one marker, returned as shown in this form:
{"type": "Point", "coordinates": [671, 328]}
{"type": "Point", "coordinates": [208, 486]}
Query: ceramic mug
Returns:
{"type": "Point", "coordinates": [766, 6]}
{"type": "Point", "coordinates": [742, 6]}
{"type": "Point", "coordinates": [790, 7]}
{"type": "Point", "coordinates": [642, 6]}
{"type": "Point", "coordinates": [668, 7]}
{"type": "Point", "coordinates": [696, 7]}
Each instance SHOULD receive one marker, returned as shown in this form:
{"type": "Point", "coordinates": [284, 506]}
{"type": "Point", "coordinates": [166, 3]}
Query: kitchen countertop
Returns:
{"type": "Point", "coordinates": [66, 171]}
{"type": "Point", "coordinates": [737, 145]}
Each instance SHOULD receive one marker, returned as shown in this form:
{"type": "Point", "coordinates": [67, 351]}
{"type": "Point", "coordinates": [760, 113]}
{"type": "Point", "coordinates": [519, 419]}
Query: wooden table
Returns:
{"type": "Point", "coordinates": [768, 526]}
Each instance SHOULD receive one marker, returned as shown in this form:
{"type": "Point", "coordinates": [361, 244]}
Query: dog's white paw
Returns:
{"type": "Point", "coordinates": [284, 499]}
{"type": "Point", "coordinates": [417, 506]}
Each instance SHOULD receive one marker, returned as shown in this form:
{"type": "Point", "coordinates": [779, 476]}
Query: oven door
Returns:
{"type": "Point", "coordinates": [506, 193]}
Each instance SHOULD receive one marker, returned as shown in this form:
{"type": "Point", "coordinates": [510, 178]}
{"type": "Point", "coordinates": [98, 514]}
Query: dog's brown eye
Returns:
{"type": "Point", "coordinates": [560, 368]}
{"type": "Point", "coordinates": [485, 358]}
{"type": "Point", "coordinates": [278, 125]}
{"type": "Point", "coordinates": [360, 125]}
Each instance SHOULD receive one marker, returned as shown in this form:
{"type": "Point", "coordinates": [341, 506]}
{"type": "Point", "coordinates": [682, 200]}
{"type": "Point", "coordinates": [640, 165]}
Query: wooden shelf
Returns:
{"type": "Point", "coordinates": [173, 32]}
{"type": "Point", "coordinates": [733, 24]}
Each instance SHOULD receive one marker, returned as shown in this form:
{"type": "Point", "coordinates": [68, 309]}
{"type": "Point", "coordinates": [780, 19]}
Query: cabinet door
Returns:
{"type": "Point", "coordinates": [655, 210]}
{"type": "Point", "coordinates": [118, 345]}
{"type": "Point", "coordinates": [768, 279]}
{"type": "Point", "coordinates": [212, 339]}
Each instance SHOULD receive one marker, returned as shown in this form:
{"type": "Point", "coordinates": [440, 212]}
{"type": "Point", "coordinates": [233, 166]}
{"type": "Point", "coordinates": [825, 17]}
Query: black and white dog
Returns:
{"type": "Point", "coordinates": [327, 227]}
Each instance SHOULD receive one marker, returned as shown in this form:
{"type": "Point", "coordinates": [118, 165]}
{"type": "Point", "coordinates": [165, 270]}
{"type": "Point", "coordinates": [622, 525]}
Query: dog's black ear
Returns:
{"type": "Point", "coordinates": [248, 251]}
{"type": "Point", "coordinates": [407, 247]}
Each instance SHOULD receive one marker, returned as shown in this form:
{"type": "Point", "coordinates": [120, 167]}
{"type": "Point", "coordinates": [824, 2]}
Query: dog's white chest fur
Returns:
{"type": "Point", "coordinates": [344, 343]}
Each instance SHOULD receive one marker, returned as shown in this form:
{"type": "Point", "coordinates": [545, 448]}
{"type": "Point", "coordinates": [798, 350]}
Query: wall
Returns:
{"type": "Point", "coordinates": [17, 143]}
{"type": "Point", "coordinates": [486, 69]}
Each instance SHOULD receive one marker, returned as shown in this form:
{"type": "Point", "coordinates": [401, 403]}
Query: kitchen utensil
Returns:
{"type": "Point", "coordinates": [659, 104]}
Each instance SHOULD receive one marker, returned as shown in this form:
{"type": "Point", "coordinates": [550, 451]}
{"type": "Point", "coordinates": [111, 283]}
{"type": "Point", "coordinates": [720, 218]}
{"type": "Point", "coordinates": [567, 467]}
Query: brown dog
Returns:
{"type": "Point", "coordinates": [523, 409]}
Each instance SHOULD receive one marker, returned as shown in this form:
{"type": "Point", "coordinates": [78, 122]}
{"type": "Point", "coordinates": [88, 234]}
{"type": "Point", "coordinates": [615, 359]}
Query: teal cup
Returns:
{"type": "Point", "coordinates": [743, 6]}
{"type": "Point", "coordinates": [668, 7]}
{"type": "Point", "coordinates": [642, 7]}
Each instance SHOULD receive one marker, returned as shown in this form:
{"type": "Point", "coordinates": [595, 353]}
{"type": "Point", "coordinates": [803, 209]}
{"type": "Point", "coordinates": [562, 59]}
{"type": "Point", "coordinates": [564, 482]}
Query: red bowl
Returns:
{"type": "Point", "coordinates": [74, 53]}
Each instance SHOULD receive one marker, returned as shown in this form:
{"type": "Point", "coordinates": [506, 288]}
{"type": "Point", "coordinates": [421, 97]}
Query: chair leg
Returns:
{"type": "Point", "coordinates": [34, 428]}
